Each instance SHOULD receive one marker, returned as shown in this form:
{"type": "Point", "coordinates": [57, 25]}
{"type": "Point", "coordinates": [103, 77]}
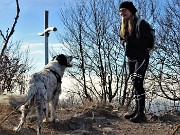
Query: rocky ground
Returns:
{"type": "Point", "coordinates": [93, 120]}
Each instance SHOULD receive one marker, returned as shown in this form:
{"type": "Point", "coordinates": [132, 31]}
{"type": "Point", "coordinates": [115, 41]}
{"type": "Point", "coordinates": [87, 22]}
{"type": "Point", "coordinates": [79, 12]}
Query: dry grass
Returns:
{"type": "Point", "coordinates": [90, 119]}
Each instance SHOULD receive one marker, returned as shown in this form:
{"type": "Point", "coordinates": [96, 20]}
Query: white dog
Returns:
{"type": "Point", "coordinates": [43, 91]}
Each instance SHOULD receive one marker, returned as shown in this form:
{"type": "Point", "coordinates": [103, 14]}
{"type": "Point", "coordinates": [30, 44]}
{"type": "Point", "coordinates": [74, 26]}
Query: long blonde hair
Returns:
{"type": "Point", "coordinates": [127, 24]}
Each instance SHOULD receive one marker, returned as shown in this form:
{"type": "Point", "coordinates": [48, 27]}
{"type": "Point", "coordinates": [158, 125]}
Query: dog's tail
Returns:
{"type": "Point", "coordinates": [15, 101]}
{"type": "Point", "coordinates": [20, 100]}
{"type": "Point", "coordinates": [12, 100]}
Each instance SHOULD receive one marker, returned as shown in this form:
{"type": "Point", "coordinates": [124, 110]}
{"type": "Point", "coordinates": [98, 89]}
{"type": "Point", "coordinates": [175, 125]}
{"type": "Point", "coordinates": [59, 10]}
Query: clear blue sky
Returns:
{"type": "Point", "coordinates": [30, 22]}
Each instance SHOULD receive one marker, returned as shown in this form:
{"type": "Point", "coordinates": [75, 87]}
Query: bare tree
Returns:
{"type": "Point", "coordinates": [166, 66]}
{"type": "Point", "coordinates": [13, 63]}
{"type": "Point", "coordinates": [9, 33]}
{"type": "Point", "coordinates": [93, 38]}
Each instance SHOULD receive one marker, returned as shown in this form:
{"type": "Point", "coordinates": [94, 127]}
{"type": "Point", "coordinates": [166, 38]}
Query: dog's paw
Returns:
{"type": "Point", "coordinates": [56, 120]}
{"type": "Point", "coordinates": [45, 120]}
{"type": "Point", "coordinates": [53, 120]}
{"type": "Point", "coordinates": [16, 129]}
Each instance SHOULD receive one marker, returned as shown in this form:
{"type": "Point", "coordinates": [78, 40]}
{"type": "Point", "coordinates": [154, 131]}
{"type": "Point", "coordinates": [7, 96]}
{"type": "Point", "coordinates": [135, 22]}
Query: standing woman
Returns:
{"type": "Point", "coordinates": [137, 52]}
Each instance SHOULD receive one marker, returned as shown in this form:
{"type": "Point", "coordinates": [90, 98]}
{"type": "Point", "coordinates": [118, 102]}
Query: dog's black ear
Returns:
{"type": "Point", "coordinates": [62, 59]}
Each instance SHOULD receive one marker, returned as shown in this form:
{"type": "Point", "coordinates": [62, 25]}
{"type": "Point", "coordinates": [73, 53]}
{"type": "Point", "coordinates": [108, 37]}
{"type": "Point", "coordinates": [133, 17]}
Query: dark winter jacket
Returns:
{"type": "Point", "coordinates": [137, 48]}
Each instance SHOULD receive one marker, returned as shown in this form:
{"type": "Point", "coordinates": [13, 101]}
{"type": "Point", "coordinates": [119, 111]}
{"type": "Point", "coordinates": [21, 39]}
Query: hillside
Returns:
{"type": "Point", "coordinates": [99, 120]}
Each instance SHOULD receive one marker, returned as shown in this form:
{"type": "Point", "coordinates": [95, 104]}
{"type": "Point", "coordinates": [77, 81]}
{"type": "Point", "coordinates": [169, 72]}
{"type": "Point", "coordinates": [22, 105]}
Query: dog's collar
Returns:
{"type": "Point", "coordinates": [56, 74]}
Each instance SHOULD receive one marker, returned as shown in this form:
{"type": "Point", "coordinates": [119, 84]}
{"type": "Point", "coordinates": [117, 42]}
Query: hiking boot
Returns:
{"type": "Point", "coordinates": [133, 114]}
{"type": "Point", "coordinates": [140, 117]}
{"type": "Point", "coordinates": [130, 115]}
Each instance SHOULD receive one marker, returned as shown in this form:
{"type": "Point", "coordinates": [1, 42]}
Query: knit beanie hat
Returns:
{"type": "Point", "coordinates": [128, 5]}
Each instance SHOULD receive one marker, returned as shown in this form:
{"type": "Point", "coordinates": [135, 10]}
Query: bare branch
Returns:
{"type": "Point", "coordinates": [9, 34]}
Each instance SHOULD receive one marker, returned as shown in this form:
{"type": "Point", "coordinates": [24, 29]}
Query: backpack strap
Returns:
{"type": "Point", "coordinates": [138, 28]}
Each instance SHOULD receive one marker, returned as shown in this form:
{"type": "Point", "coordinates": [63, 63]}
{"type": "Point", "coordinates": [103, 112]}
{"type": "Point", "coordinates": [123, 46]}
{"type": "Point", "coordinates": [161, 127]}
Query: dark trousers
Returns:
{"type": "Point", "coordinates": [137, 70]}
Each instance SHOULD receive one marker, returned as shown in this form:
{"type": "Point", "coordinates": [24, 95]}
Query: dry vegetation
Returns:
{"type": "Point", "coordinates": [92, 120]}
